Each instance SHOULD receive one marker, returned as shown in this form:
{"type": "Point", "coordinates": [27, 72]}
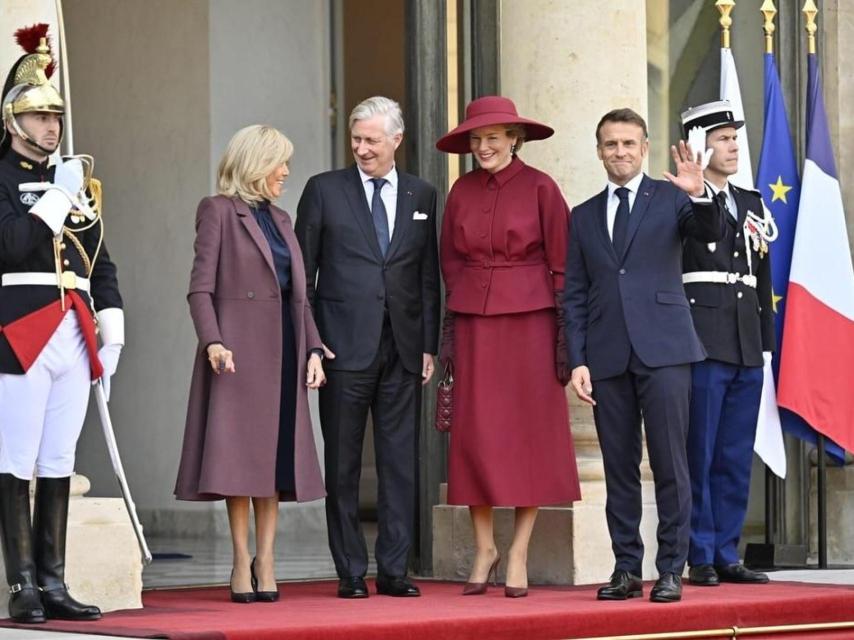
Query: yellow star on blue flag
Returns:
{"type": "Point", "coordinates": [779, 190]}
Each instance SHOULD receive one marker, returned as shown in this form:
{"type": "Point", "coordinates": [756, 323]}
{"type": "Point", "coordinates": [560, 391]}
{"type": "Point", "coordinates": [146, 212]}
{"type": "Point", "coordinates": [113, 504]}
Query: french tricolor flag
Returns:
{"type": "Point", "coordinates": [817, 367]}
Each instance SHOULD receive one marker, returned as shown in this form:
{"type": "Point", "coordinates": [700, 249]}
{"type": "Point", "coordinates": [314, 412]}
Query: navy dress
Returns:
{"type": "Point", "coordinates": [287, 409]}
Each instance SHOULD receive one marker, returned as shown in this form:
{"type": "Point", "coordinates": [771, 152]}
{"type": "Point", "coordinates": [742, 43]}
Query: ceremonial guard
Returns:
{"type": "Point", "coordinates": [728, 285]}
{"type": "Point", "coordinates": [58, 288]}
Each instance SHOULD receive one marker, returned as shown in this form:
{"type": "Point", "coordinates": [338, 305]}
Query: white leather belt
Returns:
{"type": "Point", "coordinates": [718, 277]}
{"type": "Point", "coordinates": [70, 280]}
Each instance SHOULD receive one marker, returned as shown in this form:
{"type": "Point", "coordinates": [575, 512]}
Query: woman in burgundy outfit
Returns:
{"type": "Point", "coordinates": [503, 251]}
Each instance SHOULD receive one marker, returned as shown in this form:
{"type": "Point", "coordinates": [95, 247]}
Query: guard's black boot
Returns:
{"type": "Point", "coordinates": [50, 520]}
{"type": "Point", "coordinates": [24, 602]}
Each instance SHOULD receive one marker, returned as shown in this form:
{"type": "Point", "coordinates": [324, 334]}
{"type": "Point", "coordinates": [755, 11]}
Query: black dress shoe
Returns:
{"type": "Point", "coordinates": [397, 586]}
{"type": "Point", "coordinates": [352, 587]}
{"type": "Point", "coordinates": [241, 597]}
{"type": "Point", "coordinates": [739, 573]}
{"type": "Point", "coordinates": [262, 596]}
{"type": "Point", "coordinates": [703, 575]}
{"type": "Point", "coordinates": [621, 586]}
{"type": "Point", "coordinates": [668, 588]}
{"type": "Point", "coordinates": [59, 605]}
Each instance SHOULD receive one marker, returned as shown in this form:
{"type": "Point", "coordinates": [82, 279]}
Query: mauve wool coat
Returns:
{"type": "Point", "coordinates": [233, 419]}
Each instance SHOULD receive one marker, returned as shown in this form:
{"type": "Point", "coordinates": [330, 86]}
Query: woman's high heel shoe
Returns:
{"type": "Point", "coordinates": [240, 597]}
{"type": "Point", "coordinates": [515, 592]}
{"type": "Point", "coordinates": [478, 588]}
{"type": "Point", "coordinates": [261, 596]}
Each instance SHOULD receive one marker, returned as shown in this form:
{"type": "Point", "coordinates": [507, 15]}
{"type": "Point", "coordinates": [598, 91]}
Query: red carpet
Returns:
{"type": "Point", "coordinates": [310, 611]}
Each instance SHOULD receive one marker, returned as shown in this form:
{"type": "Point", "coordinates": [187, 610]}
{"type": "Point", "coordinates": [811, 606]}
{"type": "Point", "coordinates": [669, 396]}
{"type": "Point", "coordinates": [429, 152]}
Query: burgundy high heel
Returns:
{"type": "Point", "coordinates": [478, 588]}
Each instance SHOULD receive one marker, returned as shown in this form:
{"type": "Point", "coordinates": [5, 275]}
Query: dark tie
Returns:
{"type": "Point", "coordinates": [723, 201]}
{"type": "Point", "coordinates": [378, 213]}
{"type": "Point", "coordinates": [621, 221]}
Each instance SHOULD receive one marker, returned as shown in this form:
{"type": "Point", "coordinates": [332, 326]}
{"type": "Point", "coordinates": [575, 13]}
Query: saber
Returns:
{"type": "Point", "coordinates": [100, 396]}
{"type": "Point", "coordinates": [112, 448]}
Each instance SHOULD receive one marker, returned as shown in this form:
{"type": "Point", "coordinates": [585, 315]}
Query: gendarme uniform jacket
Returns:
{"type": "Point", "coordinates": [26, 245]}
{"type": "Point", "coordinates": [734, 319]}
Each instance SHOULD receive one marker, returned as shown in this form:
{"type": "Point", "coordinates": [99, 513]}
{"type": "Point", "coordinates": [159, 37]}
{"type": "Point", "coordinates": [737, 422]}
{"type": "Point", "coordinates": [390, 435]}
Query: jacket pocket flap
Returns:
{"type": "Point", "coordinates": [667, 297]}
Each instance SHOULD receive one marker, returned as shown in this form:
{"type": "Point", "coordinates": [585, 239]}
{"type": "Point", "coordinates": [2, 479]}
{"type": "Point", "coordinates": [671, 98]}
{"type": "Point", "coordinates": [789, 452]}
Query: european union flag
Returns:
{"type": "Point", "coordinates": [777, 180]}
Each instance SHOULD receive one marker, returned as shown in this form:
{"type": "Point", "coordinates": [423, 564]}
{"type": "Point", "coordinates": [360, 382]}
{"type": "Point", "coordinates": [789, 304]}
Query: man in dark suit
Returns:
{"type": "Point", "coordinates": [728, 284]}
{"type": "Point", "coordinates": [368, 236]}
{"type": "Point", "coordinates": [631, 340]}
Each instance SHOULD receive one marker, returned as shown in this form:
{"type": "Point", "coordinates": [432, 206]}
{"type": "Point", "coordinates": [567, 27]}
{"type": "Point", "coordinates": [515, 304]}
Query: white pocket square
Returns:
{"type": "Point", "coordinates": [419, 216]}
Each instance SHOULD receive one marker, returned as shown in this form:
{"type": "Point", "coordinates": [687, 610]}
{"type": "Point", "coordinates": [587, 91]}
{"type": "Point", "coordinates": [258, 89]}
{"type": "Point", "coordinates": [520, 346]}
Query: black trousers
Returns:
{"type": "Point", "coordinates": [393, 396]}
{"type": "Point", "coordinates": [661, 396]}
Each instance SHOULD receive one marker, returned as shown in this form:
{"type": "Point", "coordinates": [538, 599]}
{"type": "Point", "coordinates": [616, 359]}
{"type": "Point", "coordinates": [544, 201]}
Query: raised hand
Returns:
{"type": "Point", "coordinates": [689, 169]}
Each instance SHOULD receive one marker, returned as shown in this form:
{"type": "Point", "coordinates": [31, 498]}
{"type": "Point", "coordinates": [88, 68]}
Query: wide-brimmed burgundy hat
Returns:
{"type": "Point", "coordinates": [485, 112]}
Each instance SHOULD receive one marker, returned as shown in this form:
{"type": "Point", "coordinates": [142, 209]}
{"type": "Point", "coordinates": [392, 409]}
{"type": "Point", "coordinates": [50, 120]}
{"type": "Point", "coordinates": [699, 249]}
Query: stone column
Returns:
{"type": "Point", "coordinates": [566, 64]}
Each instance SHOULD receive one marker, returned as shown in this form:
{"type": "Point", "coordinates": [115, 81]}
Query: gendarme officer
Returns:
{"type": "Point", "coordinates": [55, 273]}
{"type": "Point", "coordinates": [728, 284]}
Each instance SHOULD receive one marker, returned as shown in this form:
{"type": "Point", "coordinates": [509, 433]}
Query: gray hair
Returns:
{"type": "Point", "coordinates": [376, 106]}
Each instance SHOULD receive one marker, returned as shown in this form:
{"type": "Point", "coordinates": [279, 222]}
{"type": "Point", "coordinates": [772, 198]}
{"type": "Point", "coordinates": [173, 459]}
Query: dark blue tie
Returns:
{"type": "Point", "coordinates": [621, 221]}
{"type": "Point", "coordinates": [378, 213]}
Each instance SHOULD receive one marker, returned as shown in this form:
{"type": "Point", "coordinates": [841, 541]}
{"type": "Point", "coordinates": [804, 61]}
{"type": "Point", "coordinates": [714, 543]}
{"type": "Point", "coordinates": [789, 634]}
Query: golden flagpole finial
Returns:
{"type": "Point", "coordinates": [725, 7]}
{"type": "Point", "coordinates": [810, 11]}
{"type": "Point", "coordinates": [769, 11]}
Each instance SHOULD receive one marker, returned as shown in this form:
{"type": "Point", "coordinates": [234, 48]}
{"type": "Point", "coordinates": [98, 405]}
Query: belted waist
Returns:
{"type": "Point", "coordinates": [718, 277]}
{"type": "Point", "coordinates": [68, 280]}
{"type": "Point", "coordinates": [497, 264]}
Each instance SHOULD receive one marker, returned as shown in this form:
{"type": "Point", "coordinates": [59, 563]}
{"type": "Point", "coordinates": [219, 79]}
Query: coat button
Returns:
{"type": "Point", "coordinates": [622, 272]}
{"type": "Point", "coordinates": [738, 234]}
{"type": "Point", "coordinates": [250, 294]}
{"type": "Point", "coordinates": [483, 285]}
{"type": "Point", "coordinates": [693, 301]}
{"type": "Point", "coordinates": [735, 255]}
{"type": "Point", "coordinates": [62, 245]}
{"type": "Point", "coordinates": [739, 295]}
{"type": "Point", "coordinates": [66, 263]}
{"type": "Point", "coordinates": [483, 235]}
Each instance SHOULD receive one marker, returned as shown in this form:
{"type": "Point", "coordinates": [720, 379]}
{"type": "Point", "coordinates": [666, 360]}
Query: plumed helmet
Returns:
{"type": "Point", "coordinates": [28, 88]}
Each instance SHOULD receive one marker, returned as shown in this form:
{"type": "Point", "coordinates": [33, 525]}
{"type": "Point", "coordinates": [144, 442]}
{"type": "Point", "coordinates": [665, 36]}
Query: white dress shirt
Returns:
{"type": "Point", "coordinates": [613, 200]}
{"type": "Point", "coordinates": [388, 194]}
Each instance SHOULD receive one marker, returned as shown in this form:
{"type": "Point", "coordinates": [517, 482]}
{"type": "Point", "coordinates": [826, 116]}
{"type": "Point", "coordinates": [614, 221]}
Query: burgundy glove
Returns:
{"type": "Point", "coordinates": [564, 373]}
{"type": "Point", "coordinates": [446, 352]}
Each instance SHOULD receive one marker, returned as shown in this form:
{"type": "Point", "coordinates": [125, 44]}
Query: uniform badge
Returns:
{"type": "Point", "coordinates": [29, 198]}
{"type": "Point", "coordinates": [757, 239]}
{"type": "Point", "coordinates": [712, 246]}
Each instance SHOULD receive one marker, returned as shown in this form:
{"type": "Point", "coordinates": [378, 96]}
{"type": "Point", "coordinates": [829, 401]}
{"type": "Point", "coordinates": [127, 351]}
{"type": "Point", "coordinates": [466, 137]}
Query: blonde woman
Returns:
{"type": "Point", "coordinates": [248, 435]}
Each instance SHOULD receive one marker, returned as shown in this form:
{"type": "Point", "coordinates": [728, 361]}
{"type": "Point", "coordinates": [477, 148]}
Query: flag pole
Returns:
{"type": "Point", "coordinates": [725, 7]}
{"type": "Point", "coordinates": [772, 486]}
{"type": "Point", "coordinates": [810, 11]}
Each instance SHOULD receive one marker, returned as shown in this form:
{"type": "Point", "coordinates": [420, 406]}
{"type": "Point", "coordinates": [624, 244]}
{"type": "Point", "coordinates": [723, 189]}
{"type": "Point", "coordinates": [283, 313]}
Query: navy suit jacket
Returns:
{"type": "Point", "coordinates": [349, 283]}
{"type": "Point", "coordinates": [614, 305]}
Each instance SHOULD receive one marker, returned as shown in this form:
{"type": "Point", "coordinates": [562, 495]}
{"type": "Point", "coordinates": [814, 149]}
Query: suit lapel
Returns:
{"type": "Point", "coordinates": [355, 193]}
{"type": "Point", "coordinates": [602, 224]}
{"type": "Point", "coordinates": [402, 214]}
{"type": "Point", "coordinates": [249, 222]}
{"type": "Point", "coordinates": [642, 199]}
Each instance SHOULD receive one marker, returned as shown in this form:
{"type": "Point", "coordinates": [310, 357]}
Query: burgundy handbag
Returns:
{"type": "Point", "coordinates": [445, 400]}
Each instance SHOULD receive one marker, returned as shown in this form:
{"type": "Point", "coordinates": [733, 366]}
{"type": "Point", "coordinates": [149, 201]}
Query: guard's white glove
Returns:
{"type": "Point", "coordinates": [111, 322]}
{"type": "Point", "coordinates": [697, 141]}
{"type": "Point", "coordinates": [61, 196]}
{"type": "Point", "coordinates": [109, 357]}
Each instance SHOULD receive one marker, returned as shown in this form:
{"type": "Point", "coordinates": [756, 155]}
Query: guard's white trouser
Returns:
{"type": "Point", "coordinates": [42, 411]}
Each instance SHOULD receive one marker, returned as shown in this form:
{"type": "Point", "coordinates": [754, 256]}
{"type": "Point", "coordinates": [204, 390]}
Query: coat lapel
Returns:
{"type": "Point", "coordinates": [742, 208]}
{"type": "Point", "coordinates": [249, 222]}
{"type": "Point", "coordinates": [403, 213]}
{"type": "Point", "coordinates": [642, 199]}
{"type": "Point", "coordinates": [355, 193]}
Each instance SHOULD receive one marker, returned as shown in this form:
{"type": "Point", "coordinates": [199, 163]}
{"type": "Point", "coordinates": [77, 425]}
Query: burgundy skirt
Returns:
{"type": "Point", "coordinates": [510, 444]}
